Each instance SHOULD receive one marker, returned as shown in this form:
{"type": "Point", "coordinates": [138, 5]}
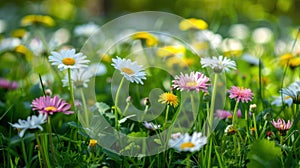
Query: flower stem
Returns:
{"type": "Point", "coordinates": [166, 117]}
{"type": "Point", "coordinates": [116, 104]}
{"type": "Point", "coordinates": [188, 161]}
{"type": "Point", "coordinates": [24, 152]}
{"type": "Point", "coordinates": [40, 147]}
{"type": "Point", "coordinates": [254, 123]}
{"type": "Point", "coordinates": [234, 117]}
{"type": "Point", "coordinates": [84, 108]}
{"type": "Point", "coordinates": [71, 89]}
{"type": "Point", "coordinates": [212, 105]}
{"type": "Point", "coordinates": [51, 142]}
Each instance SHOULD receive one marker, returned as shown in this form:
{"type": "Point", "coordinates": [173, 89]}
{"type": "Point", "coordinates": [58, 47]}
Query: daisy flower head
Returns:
{"type": "Point", "coordinates": [293, 91]}
{"type": "Point", "coordinates": [195, 81]}
{"type": "Point", "coordinates": [188, 143]}
{"type": "Point", "coordinates": [168, 98]}
{"type": "Point", "coordinates": [218, 64]}
{"type": "Point", "coordinates": [284, 99]}
{"type": "Point", "coordinates": [224, 114]}
{"type": "Point", "coordinates": [240, 94]}
{"type": "Point", "coordinates": [49, 106]}
{"type": "Point", "coordinates": [79, 77]}
{"type": "Point", "coordinates": [32, 122]}
{"type": "Point", "coordinates": [130, 70]}
{"type": "Point", "coordinates": [68, 59]}
{"type": "Point", "coordinates": [281, 125]}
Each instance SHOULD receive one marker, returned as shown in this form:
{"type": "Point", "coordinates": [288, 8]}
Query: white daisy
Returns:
{"type": "Point", "coordinates": [218, 64]}
{"type": "Point", "coordinates": [293, 90]}
{"type": "Point", "coordinates": [9, 44]}
{"type": "Point", "coordinates": [130, 70]}
{"type": "Point", "coordinates": [188, 143]}
{"type": "Point", "coordinates": [86, 29]}
{"type": "Point", "coordinates": [79, 77]}
{"type": "Point", "coordinates": [32, 122]}
{"type": "Point", "coordinates": [68, 59]}
{"type": "Point", "coordinates": [286, 99]}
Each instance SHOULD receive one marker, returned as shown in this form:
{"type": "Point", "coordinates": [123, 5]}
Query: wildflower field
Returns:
{"type": "Point", "coordinates": [214, 84]}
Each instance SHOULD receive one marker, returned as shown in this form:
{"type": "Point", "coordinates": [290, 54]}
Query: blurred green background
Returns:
{"type": "Point", "coordinates": [225, 12]}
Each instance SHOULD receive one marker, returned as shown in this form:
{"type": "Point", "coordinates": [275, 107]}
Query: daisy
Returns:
{"type": "Point", "coordinates": [223, 114]}
{"type": "Point", "coordinates": [240, 94]}
{"type": "Point", "coordinates": [168, 98]}
{"type": "Point", "coordinates": [218, 64]}
{"type": "Point", "coordinates": [293, 91]}
{"type": "Point", "coordinates": [68, 59]}
{"type": "Point", "coordinates": [281, 125]}
{"type": "Point", "coordinates": [48, 105]}
{"type": "Point", "coordinates": [79, 77]}
{"type": "Point", "coordinates": [279, 100]}
{"type": "Point", "coordinates": [194, 81]}
{"type": "Point", "coordinates": [32, 122]}
{"type": "Point", "coordinates": [151, 126]}
{"type": "Point", "coordinates": [130, 70]}
{"type": "Point", "coordinates": [188, 143]}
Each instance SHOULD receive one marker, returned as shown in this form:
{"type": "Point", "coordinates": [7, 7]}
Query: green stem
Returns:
{"type": "Point", "coordinates": [235, 117]}
{"type": "Point", "coordinates": [51, 142]}
{"type": "Point", "coordinates": [84, 108]}
{"type": "Point", "coordinates": [71, 89]}
{"type": "Point", "coordinates": [166, 117]}
{"type": "Point", "coordinates": [254, 123]}
{"type": "Point", "coordinates": [212, 105]}
{"type": "Point", "coordinates": [40, 147]}
{"type": "Point", "coordinates": [188, 160]}
{"type": "Point", "coordinates": [24, 152]}
{"type": "Point", "coordinates": [118, 92]}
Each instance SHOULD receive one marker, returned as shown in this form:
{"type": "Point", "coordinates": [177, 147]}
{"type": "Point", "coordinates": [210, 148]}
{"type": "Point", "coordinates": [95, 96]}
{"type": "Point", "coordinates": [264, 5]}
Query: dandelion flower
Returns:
{"type": "Point", "coordinates": [150, 39]}
{"type": "Point", "coordinates": [32, 122]}
{"type": "Point", "coordinates": [293, 90]}
{"type": "Point", "coordinates": [240, 94]}
{"type": "Point", "coordinates": [48, 105]}
{"type": "Point", "coordinates": [68, 59]}
{"type": "Point", "coordinates": [93, 142]}
{"type": "Point", "coordinates": [218, 64]}
{"type": "Point", "coordinates": [130, 70]}
{"type": "Point", "coordinates": [37, 19]}
{"type": "Point", "coordinates": [193, 23]}
{"type": "Point", "coordinates": [188, 143]}
{"type": "Point", "coordinates": [281, 125]}
{"type": "Point", "coordinates": [168, 98]}
{"type": "Point", "coordinates": [194, 81]}
{"type": "Point", "coordinates": [79, 77]}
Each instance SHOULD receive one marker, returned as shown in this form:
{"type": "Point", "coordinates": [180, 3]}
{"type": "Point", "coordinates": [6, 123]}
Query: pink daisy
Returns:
{"type": "Point", "coordinates": [223, 114]}
{"type": "Point", "coordinates": [7, 84]}
{"type": "Point", "coordinates": [240, 94]}
{"type": "Point", "coordinates": [195, 81]}
{"type": "Point", "coordinates": [48, 105]}
{"type": "Point", "coordinates": [282, 125]}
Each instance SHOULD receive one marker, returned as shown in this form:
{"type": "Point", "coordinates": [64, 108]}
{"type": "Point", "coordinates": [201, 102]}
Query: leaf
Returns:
{"type": "Point", "coordinates": [125, 118]}
{"type": "Point", "coordinates": [263, 153]}
{"type": "Point", "coordinates": [102, 107]}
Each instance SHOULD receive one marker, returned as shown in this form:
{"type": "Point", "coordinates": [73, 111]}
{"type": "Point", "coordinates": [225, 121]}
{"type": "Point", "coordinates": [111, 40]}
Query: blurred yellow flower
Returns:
{"type": "Point", "coordinates": [18, 33]}
{"type": "Point", "coordinates": [24, 51]}
{"type": "Point", "coordinates": [193, 23]}
{"type": "Point", "coordinates": [37, 19]}
{"type": "Point", "coordinates": [150, 39]}
{"type": "Point", "coordinates": [290, 60]}
{"type": "Point", "coordinates": [170, 50]}
{"type": "Point", "coordinates": [93, 142]}
{"type": "Point", "coordinates": [168, 98]}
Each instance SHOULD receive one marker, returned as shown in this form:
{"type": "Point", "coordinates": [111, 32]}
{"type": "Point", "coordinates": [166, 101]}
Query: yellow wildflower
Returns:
{"type": "Point", "coordinates": [193, 23]}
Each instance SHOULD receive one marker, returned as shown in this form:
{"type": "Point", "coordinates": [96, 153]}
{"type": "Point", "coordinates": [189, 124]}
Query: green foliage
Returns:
{"type": "Point", "coordinates": [263, 154]}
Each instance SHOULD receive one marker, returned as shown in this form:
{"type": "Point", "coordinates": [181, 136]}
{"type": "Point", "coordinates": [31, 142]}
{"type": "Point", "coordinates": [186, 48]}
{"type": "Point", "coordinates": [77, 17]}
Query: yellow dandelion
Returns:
{"type": "Point", "coordinates": [18, 33]}
{"type": "Point", "coordinates": [150, 39]}
{"type": "Point", "coordinates": [37, 19]}
{"type": "Point", "coordinates": [289, 59]}
{"type": "Point", "coordinates": [168, 98]}
{"type": "Point", "coordinates": [193, 23]}
{"type": "Point", "coordinates": [93, 142]}
{"type": "Point", "coordinates": [170, 50]}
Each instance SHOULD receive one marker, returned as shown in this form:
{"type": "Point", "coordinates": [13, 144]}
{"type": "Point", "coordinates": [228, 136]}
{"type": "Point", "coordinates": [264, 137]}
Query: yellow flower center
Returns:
{"type": "Point", "coordinates": [128, 71]}
{"type": "Point", "coordinates": [191, 84]}
{"type": "Point", "coordinates": [68, 61]}
{"type": "Point", "coordinates": [187, 145]}
{"type": "Point", "coordinates": [281, 126]}
{"type": "Point", "coordinates": [287, 97]}
{"type": "Point", "coordinates": [50, 108]}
